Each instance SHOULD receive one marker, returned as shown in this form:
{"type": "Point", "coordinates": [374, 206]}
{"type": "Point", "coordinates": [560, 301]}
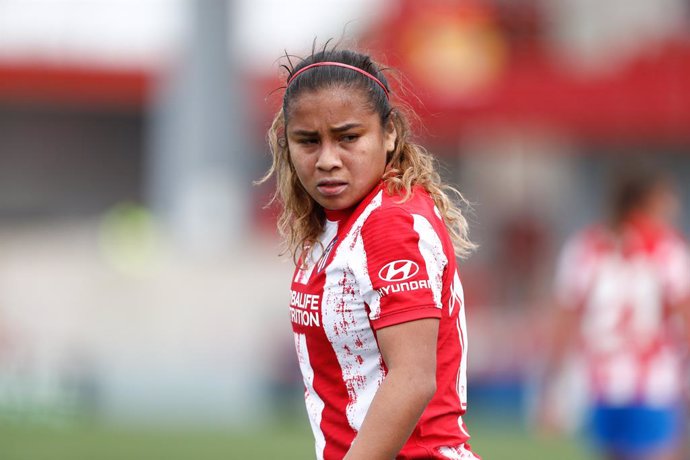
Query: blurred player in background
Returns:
{"type": "Point", "coordinates": [623, 294]}
{"type": "Point", "coordinates": [376, 306]}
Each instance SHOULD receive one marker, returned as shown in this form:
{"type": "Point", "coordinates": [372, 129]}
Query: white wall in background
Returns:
{"type": "Point", "coordinates": [141, 32]}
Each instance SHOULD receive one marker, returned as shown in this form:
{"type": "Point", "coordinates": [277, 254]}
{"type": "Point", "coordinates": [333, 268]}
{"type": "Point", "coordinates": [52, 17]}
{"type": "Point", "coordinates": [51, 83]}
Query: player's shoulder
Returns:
{"type": "Point", "coordinates": [672, 239]}
{"type": "Point", "coordinates": [589, 241]}
{"type": "Point", "coordinates": [397, 214]}
{"type": "Point", "coordinates": [593, 236]}
{"type": "Point", "coordinates": [397, 203]}
{"type": "Point", "coordinates": [674, 235]}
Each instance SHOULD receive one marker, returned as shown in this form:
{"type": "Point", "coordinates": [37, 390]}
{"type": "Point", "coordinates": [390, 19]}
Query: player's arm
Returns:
{"type": "Point", "coordinates": [571, 284]}
{"type": "Point", "coordinates": [677, 287]}
{"type": "Point", "coordinates": [561, 336]}
{"type": "Point", "coordinates": [682, 307]}
{"type": "Point", "coordinates": [409, 351]}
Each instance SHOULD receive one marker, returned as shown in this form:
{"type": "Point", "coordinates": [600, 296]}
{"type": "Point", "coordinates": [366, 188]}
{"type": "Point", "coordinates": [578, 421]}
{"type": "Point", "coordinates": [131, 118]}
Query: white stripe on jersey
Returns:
{"type": "Point", "coordinates": [664, 380]}
{"type": "Point", "coordinates": [458, 297]}
{"type": "Point", "coordinates": [461, 424]}
{"type": "Point", "coordinates": [346, 323]}
{"type": "Point", "coordinates": [431, 249]}
{"type": "Point", "coordinates": [457, 453]}
{"type": "Point", "coordinates": [314, 403]}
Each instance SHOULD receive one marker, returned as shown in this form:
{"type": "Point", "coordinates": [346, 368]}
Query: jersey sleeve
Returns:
{"type": "Point", "coordinates": [676, 270]}
{"type": "Point", "coordinates": [406, 264]}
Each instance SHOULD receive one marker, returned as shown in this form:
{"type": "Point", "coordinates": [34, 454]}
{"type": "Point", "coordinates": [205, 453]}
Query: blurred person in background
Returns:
{"type": "Point", "coordinates": [376, 305]}
{"type": "Point", "coordinates": [623, 293]}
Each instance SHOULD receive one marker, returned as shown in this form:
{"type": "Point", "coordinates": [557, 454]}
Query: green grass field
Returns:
{"type": "Point", "coordinates": [279, 440]}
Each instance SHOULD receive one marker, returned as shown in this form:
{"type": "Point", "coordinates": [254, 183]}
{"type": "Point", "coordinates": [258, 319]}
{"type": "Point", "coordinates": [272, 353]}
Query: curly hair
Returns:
{"type": "Point", "coordinates": [302, 219]}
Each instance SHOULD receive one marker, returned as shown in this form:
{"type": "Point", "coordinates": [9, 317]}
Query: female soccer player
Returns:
{"type": "Point", "coordinates": [622, 289]}
{"type": "Point", "coordinates": [376, 304]}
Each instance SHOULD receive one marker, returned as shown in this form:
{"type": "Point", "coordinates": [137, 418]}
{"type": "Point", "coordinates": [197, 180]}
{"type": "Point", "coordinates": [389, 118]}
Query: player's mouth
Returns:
{"type": "Point", "coordinates": [331, 187]}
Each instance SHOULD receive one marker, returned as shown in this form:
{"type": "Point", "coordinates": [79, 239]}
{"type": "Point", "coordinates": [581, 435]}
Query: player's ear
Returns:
{"type": "Point", "coordinates": [390, 135]}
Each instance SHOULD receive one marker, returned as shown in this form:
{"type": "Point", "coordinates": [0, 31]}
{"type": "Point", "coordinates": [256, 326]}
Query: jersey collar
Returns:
{"type": "Point", "coordinates": [338, 215]}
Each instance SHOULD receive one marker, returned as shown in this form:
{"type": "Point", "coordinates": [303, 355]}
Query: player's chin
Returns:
{"type": "Point", "coordinates": [337, 203]}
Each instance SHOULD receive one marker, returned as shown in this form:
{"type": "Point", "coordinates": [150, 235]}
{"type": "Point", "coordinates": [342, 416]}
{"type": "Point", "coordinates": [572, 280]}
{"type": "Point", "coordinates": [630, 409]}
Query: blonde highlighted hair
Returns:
{"type": "Point", "coordinates": [302, 219]}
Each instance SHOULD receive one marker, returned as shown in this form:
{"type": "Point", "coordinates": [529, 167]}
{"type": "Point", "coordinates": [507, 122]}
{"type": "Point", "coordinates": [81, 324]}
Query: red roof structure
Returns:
{"type": "Point", "coordinates": [462, 63]}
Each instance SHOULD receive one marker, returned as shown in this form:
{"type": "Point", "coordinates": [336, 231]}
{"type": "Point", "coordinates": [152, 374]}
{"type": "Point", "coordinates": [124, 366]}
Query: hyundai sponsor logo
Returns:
{"type": "Point", "coordinates": [398, 270]}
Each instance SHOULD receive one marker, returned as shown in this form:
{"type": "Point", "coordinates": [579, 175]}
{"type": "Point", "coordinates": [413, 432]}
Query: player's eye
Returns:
{"type": "Point", "coordinates": [349, 137]}
{"type": "Point", "coordinates": [308, 140]}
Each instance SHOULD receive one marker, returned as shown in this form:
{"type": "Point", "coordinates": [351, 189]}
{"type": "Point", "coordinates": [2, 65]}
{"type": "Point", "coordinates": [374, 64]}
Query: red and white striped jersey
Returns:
{"type": "Point", "coordinates": [382, 264]}
{"type": "Point", "coordinates": [625, 287]}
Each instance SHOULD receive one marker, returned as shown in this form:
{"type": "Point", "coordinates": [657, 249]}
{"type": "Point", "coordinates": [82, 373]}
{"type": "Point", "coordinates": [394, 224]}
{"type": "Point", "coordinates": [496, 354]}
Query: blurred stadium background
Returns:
{"type": "Point", "coordinates": [142, 299]}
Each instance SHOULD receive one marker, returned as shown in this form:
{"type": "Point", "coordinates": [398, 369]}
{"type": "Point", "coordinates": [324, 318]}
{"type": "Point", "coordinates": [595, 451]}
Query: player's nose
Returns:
{"type": "Point", "coordinates": [328, 157]}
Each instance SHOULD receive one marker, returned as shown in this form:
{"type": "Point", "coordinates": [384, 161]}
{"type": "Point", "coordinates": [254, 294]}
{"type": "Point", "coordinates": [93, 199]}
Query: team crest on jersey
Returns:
{"type": "Point", "coordinates": [324, 256]}
{"type": "Point", "coordinates": [398, 270]}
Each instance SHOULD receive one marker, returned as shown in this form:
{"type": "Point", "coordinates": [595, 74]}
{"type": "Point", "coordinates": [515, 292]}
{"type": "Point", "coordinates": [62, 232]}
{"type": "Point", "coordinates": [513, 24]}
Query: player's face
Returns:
{"type": "Point", "coordinates": [663, 204]}
{"type": "Point", "coordinates": [337, 145]}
